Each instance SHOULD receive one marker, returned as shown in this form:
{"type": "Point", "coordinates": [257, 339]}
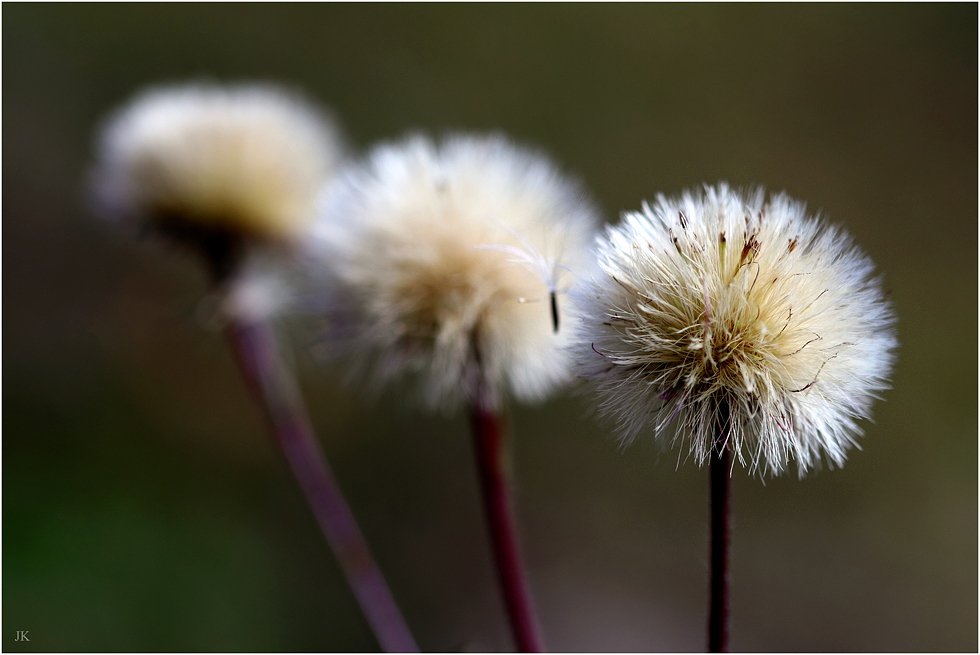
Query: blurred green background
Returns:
{"type": "Point", "coordinates": [144, 507]}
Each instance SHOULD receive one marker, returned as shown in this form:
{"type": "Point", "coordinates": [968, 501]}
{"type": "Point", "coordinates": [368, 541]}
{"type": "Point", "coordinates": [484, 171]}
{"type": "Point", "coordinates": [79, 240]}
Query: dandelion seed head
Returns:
{"type": "Point", "coordinates": [445, 257]}
{"type": "Point", "coordinates": [720, 304]}
{"type": "Point", "coordinates": [247, 160]}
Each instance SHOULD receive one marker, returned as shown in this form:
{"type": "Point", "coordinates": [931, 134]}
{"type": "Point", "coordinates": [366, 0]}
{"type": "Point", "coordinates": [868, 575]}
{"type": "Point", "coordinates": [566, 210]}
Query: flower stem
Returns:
{"type": "Point", "coordinates": [492, 459]}
{"type": "Point", "coordinates": [721, 464]}
{"type": "Point", "coordinates": [255, 347]}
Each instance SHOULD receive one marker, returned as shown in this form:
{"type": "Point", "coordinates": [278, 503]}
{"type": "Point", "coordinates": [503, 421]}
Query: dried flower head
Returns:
{"type": "Point", "coordinates": [201, 159]}
{"type": "Point", "coordinates": [718, 312]}
{"type": "Point", "coordinates": [449, 262]}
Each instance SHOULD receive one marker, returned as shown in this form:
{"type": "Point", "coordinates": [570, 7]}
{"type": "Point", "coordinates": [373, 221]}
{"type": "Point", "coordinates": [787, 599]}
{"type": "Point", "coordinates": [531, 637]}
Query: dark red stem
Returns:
{"type": "Point", "coordinates": [721, 465]}
{"type": "Point", "coordinates": [490, 442]}
{"type": "Point", "coordinates": [255, 347]}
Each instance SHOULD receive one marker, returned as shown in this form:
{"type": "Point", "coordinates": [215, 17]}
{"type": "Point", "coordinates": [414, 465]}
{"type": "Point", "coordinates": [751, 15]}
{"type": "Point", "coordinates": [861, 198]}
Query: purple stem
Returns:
{"type": "Point", "coordinates": [255, 347]}
{"type": "Point", "coordinates": [721, 465]}
{"type": "Point", "coordinates": [491, 459]}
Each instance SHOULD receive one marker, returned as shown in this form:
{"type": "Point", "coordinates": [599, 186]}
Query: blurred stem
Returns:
{"type": "Point", "coordinates": [493, 464]}
{"type": "Point", "coordinates": [255, 347]}
{"type": "Point", "coordinates": [721, 464]}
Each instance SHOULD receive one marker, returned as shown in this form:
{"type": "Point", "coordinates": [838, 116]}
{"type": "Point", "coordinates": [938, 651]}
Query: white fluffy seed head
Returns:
{"type": "Point", "coordinates": [721, 304]}
{"type": "Point", "coordinates": [448, 262]}
{"type": "Point", "coordinates": [247, 160]}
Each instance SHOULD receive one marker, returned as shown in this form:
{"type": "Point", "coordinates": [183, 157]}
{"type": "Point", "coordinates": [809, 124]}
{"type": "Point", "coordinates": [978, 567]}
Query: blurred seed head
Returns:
{"type": "Point", "coordinates": [444, 261]}
{"type": "Point", "coordinates": [200, 160]}
{"type": "Point", "coordinates": [719, 309]}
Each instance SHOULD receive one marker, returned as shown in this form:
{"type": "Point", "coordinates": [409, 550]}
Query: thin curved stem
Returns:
{"type": "Point", "coordinates": [492, 459]}
{"type": "Point", "coordinates": [255, 347]}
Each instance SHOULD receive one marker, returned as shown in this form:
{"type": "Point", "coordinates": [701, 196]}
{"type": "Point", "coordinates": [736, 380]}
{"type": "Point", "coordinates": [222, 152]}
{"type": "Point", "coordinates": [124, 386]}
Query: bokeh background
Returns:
{"type": "Point", "coordinates": [145, 509]}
